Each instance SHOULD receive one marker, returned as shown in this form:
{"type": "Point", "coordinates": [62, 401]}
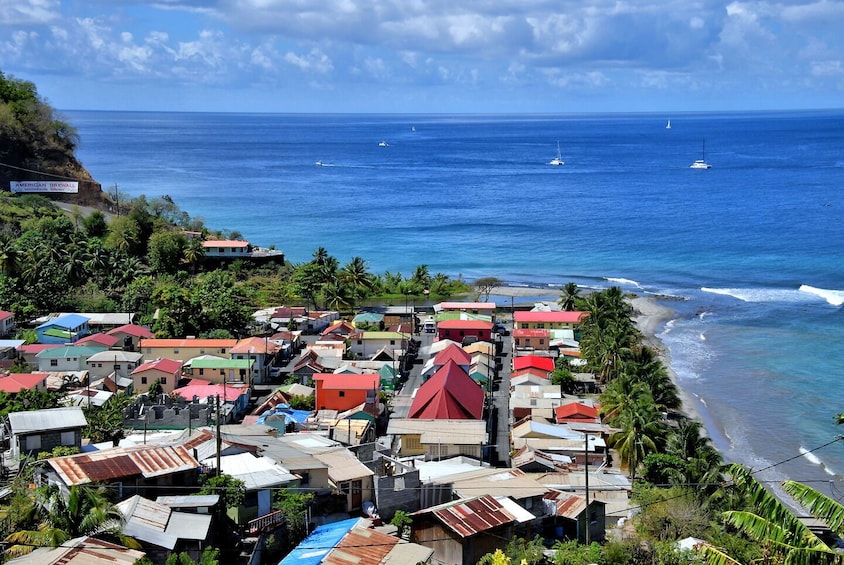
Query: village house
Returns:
{"type": "Point", "coordinates": [456, 540]}
{"type": "Point", "coordinates": [459, 330]}
{"type": "Point", "coordinates": [67, 328]}
{"type": "Point", "coordinates": [437, 439]}
{"type": "Point", "coordinates": [450, 394]}
{"type": "Point", "coordinates": [83, 550]}
{"type": "Point", "coordinates": [99, 339]}
{"type": "Point", "coordinates": [345, 390]}
{"type": "Point", "coordinates": [355, 541]}
{"type": "Point", "coordinates": [478, 308]}
{"type": "Point", "coordinates": [162, 530]}
{"type": "Point", "coordinates": [570, 516]}
{"type": "Point", "coordinates": [66, 358]}
{"type": "Point", "coordinates": [130, 335]}
{"type": "Point", "coordinates": [7, 323]}
{"type": "Point", "coordinates": [119, 363]}
{"type": "Point", "coordinates": [184, 349]}
{"type": "Point", "coordinates": [13, 383]}
{"type": "Point", "coordinates": [153, 470]}
{"type": "Point", "coordinates": [548, 320]}
{"type": "Point", "coordinates": [226, 249]}
{"type": "Point", "coordinates": [261, 352]}
{"type": "Point", "coordinates": [219, 369]}
{"type": "Point", "coordinates": [34, 431]}
{"type": "Point", "coordinates": [532, 339]}
{"type": "Point", "coordinates": [166, 371]}
{"type": "Point", "coordinates": [367, 343]}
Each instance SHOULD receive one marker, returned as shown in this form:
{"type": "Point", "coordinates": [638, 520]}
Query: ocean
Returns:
{"type": "Point", "coordinates": [749, 254]}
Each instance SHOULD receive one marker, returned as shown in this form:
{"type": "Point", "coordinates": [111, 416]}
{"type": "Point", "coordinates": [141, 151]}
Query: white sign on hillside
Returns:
{"type": "Point", "coordinates": [45, 186]}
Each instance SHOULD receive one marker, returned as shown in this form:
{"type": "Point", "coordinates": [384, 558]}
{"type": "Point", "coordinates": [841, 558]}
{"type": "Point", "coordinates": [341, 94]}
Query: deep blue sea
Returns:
{"type": "Point", "coordinates": [751, 250]}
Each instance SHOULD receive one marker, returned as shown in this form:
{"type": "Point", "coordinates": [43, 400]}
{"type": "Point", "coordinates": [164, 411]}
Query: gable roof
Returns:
{"type": "Point", "coordinates": [133, 330]}
{"type": "Point", "coordinates": [255, 346]}
{"type": "Point", "coordinates": [525, 361]}
{"type": "Point", "coordinates": [66, 321]}
{"type": "Point", "coordinates": [98, 338]}
{"type": "Point", "coordinates": [576, 411]}
{"type": "Point", "coordinates": [453, 353]}
{"type": "Point", "coordinates": [15, 382]}
{"type": "Point", "coordinates": [5, 315]}
{"type": "Point", "coordinates": [122, 462]}
{"type": "Point", "coordinates": [47, 419]}
{"type": "Point", "coordinates": [69, 351]}
{"type": "Point", "coordinates": [81, 551]}
{"type": "Point", "coordinates": [468, 517]}
{"type": "Point", "coordinates": [157, 524]}
{"type": "Point", "coordinates": [169, 366]}
{"type": "Point", "coordinates": [450, 394]}
{"type": "Point", "coordinates": [189, 342]}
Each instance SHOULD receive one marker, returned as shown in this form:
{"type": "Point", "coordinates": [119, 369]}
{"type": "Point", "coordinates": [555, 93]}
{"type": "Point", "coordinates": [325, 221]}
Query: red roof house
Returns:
{"type": "Point", "coordinates": [105, 340]}
{"type": "Point", "coordinates": [525, 361]}
{"type": "Point", "coordinates": [166, 371]}
{"type": "Point", "coordinates": [450, 394]}
{"type": "Point", "coordinates": [453, 353]}
{"type": "Point", "coordinates": [576, 412]}
{"type": "Point", "coordinates": [16, 382]}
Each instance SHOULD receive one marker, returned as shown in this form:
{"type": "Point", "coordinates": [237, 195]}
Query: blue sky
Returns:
{"type": "Point", "coordinates": [420, 56]}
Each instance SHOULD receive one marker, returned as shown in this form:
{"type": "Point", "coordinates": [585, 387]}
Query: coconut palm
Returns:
{"type": "Point", "coordinates": [355, 273]}
{"type": "Point", "coordinates": [9, 263]}
{"type": "Point", "coordinates": [83, 511]}
{"type": "Point", "coordinates": [774, 526]}
{"type": "Point", "coordinates": [194, 254]}
{"type": "Point", "coordinates": [569, 297]}
{"type": "Point", "coordinates": [645, 365]}
{"type": "Point", "coordinates": [320, 255]}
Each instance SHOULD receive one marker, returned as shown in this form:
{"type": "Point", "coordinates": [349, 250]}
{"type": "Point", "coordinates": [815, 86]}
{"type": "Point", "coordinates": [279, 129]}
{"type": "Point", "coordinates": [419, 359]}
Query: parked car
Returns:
{"type": "Point", "coordinates": [500, 329]}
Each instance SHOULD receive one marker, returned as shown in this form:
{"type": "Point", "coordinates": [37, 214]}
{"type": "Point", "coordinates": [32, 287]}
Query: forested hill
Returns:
{"type": "Point", "coordinates": [36, 144]}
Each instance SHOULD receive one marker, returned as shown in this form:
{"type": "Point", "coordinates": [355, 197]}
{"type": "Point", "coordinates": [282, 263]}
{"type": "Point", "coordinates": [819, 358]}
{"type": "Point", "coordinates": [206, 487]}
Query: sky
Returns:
{"type": "Point", "coordinates": [427, 56]}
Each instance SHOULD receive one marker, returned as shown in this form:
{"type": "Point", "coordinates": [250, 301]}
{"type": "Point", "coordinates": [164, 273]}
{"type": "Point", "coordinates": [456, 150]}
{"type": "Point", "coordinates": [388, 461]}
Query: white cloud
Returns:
{"type": "Point", "coordinates": [29, 12]}
{"type": "Point", "coordinates": [313, 61]}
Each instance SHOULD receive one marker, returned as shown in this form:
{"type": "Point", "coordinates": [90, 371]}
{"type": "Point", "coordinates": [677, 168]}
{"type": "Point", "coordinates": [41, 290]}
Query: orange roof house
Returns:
{"type": "Point", "coordinates": [576, 412]}
{"type": "Point", "coordinates": [450, 394]}
{"type": "Point", "coordinates": [536, 361]}
{"type": "Point", "coordinates": [344, 391]}
{"type": "Point", "coordinates": [16, 382]}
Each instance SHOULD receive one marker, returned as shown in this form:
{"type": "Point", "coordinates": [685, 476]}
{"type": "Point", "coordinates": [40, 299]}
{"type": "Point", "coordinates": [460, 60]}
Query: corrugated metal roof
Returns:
{"type": "Point", "coordinates": [189, 500]}
{"type": "Point", "coordinates": [566, 504]}
{"type": "Point", "coordinates": [469, 517]}
{"type": "Point", "coordinates": [343, 466]}
{"type": "Point", "coordinates": [120, 462]}
{"type": "Point", "coordinates": [47, 419]}
{"type": "Point", "coordinates": [316, 546]}
{"type": "Point", "coordinates": [361, 545]}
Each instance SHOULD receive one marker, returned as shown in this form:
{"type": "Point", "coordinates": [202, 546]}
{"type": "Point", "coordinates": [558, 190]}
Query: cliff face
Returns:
{"type": "Point", "coordinates": [36, 144]}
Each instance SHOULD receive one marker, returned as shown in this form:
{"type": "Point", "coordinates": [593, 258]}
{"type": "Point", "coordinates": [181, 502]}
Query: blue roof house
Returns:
{"type": "Point", "coordinates": [63, 329]}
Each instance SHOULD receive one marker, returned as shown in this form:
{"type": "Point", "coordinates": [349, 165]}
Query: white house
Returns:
{"type": "Point", "coordinates": [104, 363]}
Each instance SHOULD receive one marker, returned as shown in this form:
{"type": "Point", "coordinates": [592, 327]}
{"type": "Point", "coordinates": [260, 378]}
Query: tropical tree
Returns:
{"type": "Point", "coordinates": [782, 536]}
{"type": "Point", "coordinates": [83, 511]}
{"type": "Point", "coordinates": [569, 296]}
{"type": "Point", "coordinates": [356, 274]}
{"type": "Point", "coordinates": [484, 286]}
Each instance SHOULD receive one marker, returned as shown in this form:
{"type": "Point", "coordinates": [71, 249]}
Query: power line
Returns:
{"type": "Point", "coordinates": [43, 173]}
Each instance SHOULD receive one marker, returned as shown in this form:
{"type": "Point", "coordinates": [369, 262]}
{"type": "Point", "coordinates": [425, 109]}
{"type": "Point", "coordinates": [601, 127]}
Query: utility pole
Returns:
{"type": "Point", "coordinates": [586, 467]}
{"type": "Point", "coordinates": [219, 439]}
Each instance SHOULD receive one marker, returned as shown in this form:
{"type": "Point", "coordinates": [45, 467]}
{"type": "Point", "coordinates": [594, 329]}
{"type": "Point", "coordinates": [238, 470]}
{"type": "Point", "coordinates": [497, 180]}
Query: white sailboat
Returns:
{"type": "Point", "coordinates": [558, 160]}
{"type": "Point", "coordinates": [701, 163]}
{"type": "Point", "coordinates": [668, 126]}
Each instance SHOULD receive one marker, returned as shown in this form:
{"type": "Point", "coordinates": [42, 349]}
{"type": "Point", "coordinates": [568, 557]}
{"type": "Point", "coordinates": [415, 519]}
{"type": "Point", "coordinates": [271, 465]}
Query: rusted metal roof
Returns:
{"type": "Point", "coordinates": [566, 504]}
{"type": "Point", "coordinates": [361, 545]}
{"type": "Point", "coordinates": [471, 516]}
{"type": "Point", "coordinates": [119, 462]}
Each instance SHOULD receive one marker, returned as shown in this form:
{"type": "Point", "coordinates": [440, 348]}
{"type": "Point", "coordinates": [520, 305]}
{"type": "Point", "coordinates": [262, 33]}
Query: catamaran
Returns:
{"type": "Point", "coordinates": [701, 163]}
{"type": "Point", "coordinates": [558, 160]}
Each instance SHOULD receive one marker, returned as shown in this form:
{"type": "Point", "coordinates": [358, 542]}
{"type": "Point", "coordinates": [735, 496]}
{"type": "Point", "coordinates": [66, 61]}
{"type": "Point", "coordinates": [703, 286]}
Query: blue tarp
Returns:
{"type": "Point", "coordinates": [316, 546]}
{"type": "Point", "coordinates": [290, 415]}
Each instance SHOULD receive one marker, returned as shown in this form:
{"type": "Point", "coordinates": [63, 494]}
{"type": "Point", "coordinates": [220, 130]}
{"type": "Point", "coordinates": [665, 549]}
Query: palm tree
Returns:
{"type": "Point", "coordinates": [320, 255]}
{"type": "Point", "coordinates": [703, 461]}
{"type": "Point", "coordinates": [355, 273]}
{"type": "Point", "coordinates": [9, 264]}
{"type": "Point", "coordinates": [337, 295]}
{"type": "Point", "coordinates": [569, 297]}
{"type": "Point", "coordinates": [194, 254]}
{"type": "Point", "coordinates": [644, 365]}
{"type": "Point", "coordinates": [83, 511]}
{"type": "Point", "coordinates": [769, 522]}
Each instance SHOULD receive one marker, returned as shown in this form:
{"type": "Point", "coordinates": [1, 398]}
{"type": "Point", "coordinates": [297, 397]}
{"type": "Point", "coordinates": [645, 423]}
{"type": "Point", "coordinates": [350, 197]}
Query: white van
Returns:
{"type": "Point", "coordinates": [429, 326]}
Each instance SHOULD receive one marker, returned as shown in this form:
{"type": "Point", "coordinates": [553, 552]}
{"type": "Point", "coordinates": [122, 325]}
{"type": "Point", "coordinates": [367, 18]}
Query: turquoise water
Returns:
{"type": "Point", "coordinates": [750, 249]}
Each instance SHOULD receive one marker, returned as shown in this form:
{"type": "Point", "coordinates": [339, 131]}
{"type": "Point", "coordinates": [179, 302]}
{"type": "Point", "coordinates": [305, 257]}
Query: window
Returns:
{"type": "Point", "coordinates": [143, 380]}
{"type": "Point", "coordinates": [524, 326]}
{"type": "Point", "coordinates": [99, 365]}
{"type": "Point", "coordinates": [163, 380]}
{"type": "Point", "coordinates": [69, 438]}
{"type": "Point", "coordinates": [392, 342]}
{"type": "Point", "coordinates": [201, 371]}
{"type": "Point", "coordinates": [398, 485]}
{"type": "Point", "coordinates": [541, 341]}
{"type": "Point", "coordinates": [540, 326]}
{"type": "Point", "coordinates": [360, 342]}
{"type": "Point", "coordinates": [175, 351]}
{"type": "Point", "coordinates": [54, 362]}
{"type": "Point", "coordinates": [33, 443]}
{"type": "Point", "coordinates": [342, 393]}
